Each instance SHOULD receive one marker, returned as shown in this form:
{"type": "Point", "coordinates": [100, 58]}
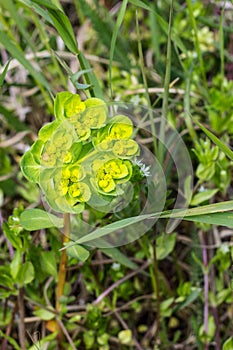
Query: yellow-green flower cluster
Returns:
{"type": "Point", "coordinates": [113, 172]}
{"type": "Point", "coordinates": [81, 153]}
{"type": "Point", "coordinates": [85, 116]}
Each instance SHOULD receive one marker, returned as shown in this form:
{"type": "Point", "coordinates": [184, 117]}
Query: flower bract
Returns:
{"type": "Point", "coordinates": [82, 153]}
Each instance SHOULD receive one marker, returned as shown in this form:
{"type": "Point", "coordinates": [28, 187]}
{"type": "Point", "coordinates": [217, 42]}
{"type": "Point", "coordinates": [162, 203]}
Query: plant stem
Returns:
{"type": "Point", "coordinates": [197, 45]}
{"type": "Point", "coordinates": [206, 287]}
{"type": "Point", "coordinates": [142, 65]}
{"type": "Point", "coordinates": [22, 331]}
{"type": "Point", "coordinates": [166, 90]}
{"type": "Point", "coordinates": [221, 44]}
{"type": "Point", "coordinates": [62, 275]}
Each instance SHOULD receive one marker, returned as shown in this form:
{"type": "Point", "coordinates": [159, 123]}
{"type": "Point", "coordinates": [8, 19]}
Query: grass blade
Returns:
{"type": "Point", "coordinates": [3, 75]}
{"type": "Point", "coordinates": [194, 214]}
{"type": "Point", "coordinates": [114, 38]}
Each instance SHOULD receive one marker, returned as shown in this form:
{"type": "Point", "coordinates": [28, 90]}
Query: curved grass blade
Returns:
{"type": "Point", "coordinates": [194, 214]}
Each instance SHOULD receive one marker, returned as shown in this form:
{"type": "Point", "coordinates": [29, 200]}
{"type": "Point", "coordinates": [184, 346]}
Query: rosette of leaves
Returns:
{"type": "Point", "coordinates": [81, 156]}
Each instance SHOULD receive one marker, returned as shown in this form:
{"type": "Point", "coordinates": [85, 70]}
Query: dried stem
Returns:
{"type": "Point", "coordinates": [22, 330]}
{"type": "Point", "coordinates": [62, 276]}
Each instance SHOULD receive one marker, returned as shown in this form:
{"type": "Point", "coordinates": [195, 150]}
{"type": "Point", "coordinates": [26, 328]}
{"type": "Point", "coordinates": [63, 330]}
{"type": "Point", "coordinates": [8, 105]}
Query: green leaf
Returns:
{"type": "Point", "coordinates": [192, 296]}
{"type": "Point", "coordinates": [211, 330]}
{"type": "Point", "coordinates": [117, 255]}
{"type": "Point", "coordinates": [12, 237]}
{"type": "Point", "coordinates": [44, 343]}
{"type": "Point", "coordinates": [203, 196]}
{"type": "Point", "coordinates": [202, 210]}
{"type": "Point", "coordinates": [141, 4]}
{"type": "Point", "coordinates": [58, 19]}
{"type": "Point", "coordinates": [36, 219]}
{"type": "Point", "coordinates": [15, 264]}
{"type": "Point", "coordinates": [46, 3]}
{"type": "Point", "coordinates": [10, 341]}
{"type": "Point", "coordinates": [226, 150]}
{"type": "Point", "coordinates": [6, 279]}
{"type": "Point", "coordinates": [78, 252]}
{"type": "Point", "coordinates": [165, 245]}
{"type": "Point", "coordinates": [48, 263]}
{"type": "Point", "coordinates": [228, 345]}
{"type": "Point", "coordinates": [222, 219]}
{"type": "Point", "coordinates": [74, 78]}
{"type": "Point", "coordinates": [64, 28]}
{"type": "Point", "coordinates": [29, 167]}
{"type": "Point", "coordinates": [191, 214]}
{"type": "Point", "coordinates": [125, 336]}
{"type": "Point", "coordinates": [166, 307]}
{"type": "Point", "coordinates": [3, 75]}
{"type": "Point", "coordinates": [26, 274]}
{"type": "Point", "coordinates": [115, 34]}
{"type": "Point", "coordinates": [59, 103]}
{"type": "Point", "coordinates": [44, 314]}
{"type": "Point", "coordinates": [39, 10]}
{"type": "Point", "coordinates": [47, 130]}
{"type": "Point", "coordinates": [91, 77]}
{"type": "Point", "coordinates": [104, 231]}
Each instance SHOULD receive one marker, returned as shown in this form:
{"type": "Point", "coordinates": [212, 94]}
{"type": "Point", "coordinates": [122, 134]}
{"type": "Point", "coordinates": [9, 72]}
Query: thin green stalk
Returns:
{"type": "Point", "coordinates": [196, 43]}
{"type": "Point", "coordinates": [114, 38]}
{"type": "Point", "coordinates": [187, 114]}
{"type": "Point", "coordinates": [221, 44]}
{"type": "Point", "coordinates": [141, 64]}
{"type": "Point", "coordinates": [62, 276]}
{"type": "Point", "coordinates": [166, 90]}
{"type": "Point", "coordinates": [145, 246]}
{"type": "Point", "coordinates": [154, 273]}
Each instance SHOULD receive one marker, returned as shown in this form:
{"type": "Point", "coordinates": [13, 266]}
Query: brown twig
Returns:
{"type": "Point", "coordinates": [21, 324]}
{"type": "Point", "coordinates": [62, 278]}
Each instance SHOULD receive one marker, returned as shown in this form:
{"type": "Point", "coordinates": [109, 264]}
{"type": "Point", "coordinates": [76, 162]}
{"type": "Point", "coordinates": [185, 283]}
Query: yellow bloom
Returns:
{"type": "Point", "coordinates": [113, 172]}
{"type": "Point", "coordinates": [76, 173]}
{"type": "Point", "coordinates": [67, 157]}
{"type": "Point", "coordinates": [122, 128]}
{"type": "Point", "coordinates": [80, 191]}
{"type": "Point", "coordinates": [125, 148]}
{"type": "Point", "coordinates": [73, 106]}
{"type": "Point", "coordinates": [95, 114]}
